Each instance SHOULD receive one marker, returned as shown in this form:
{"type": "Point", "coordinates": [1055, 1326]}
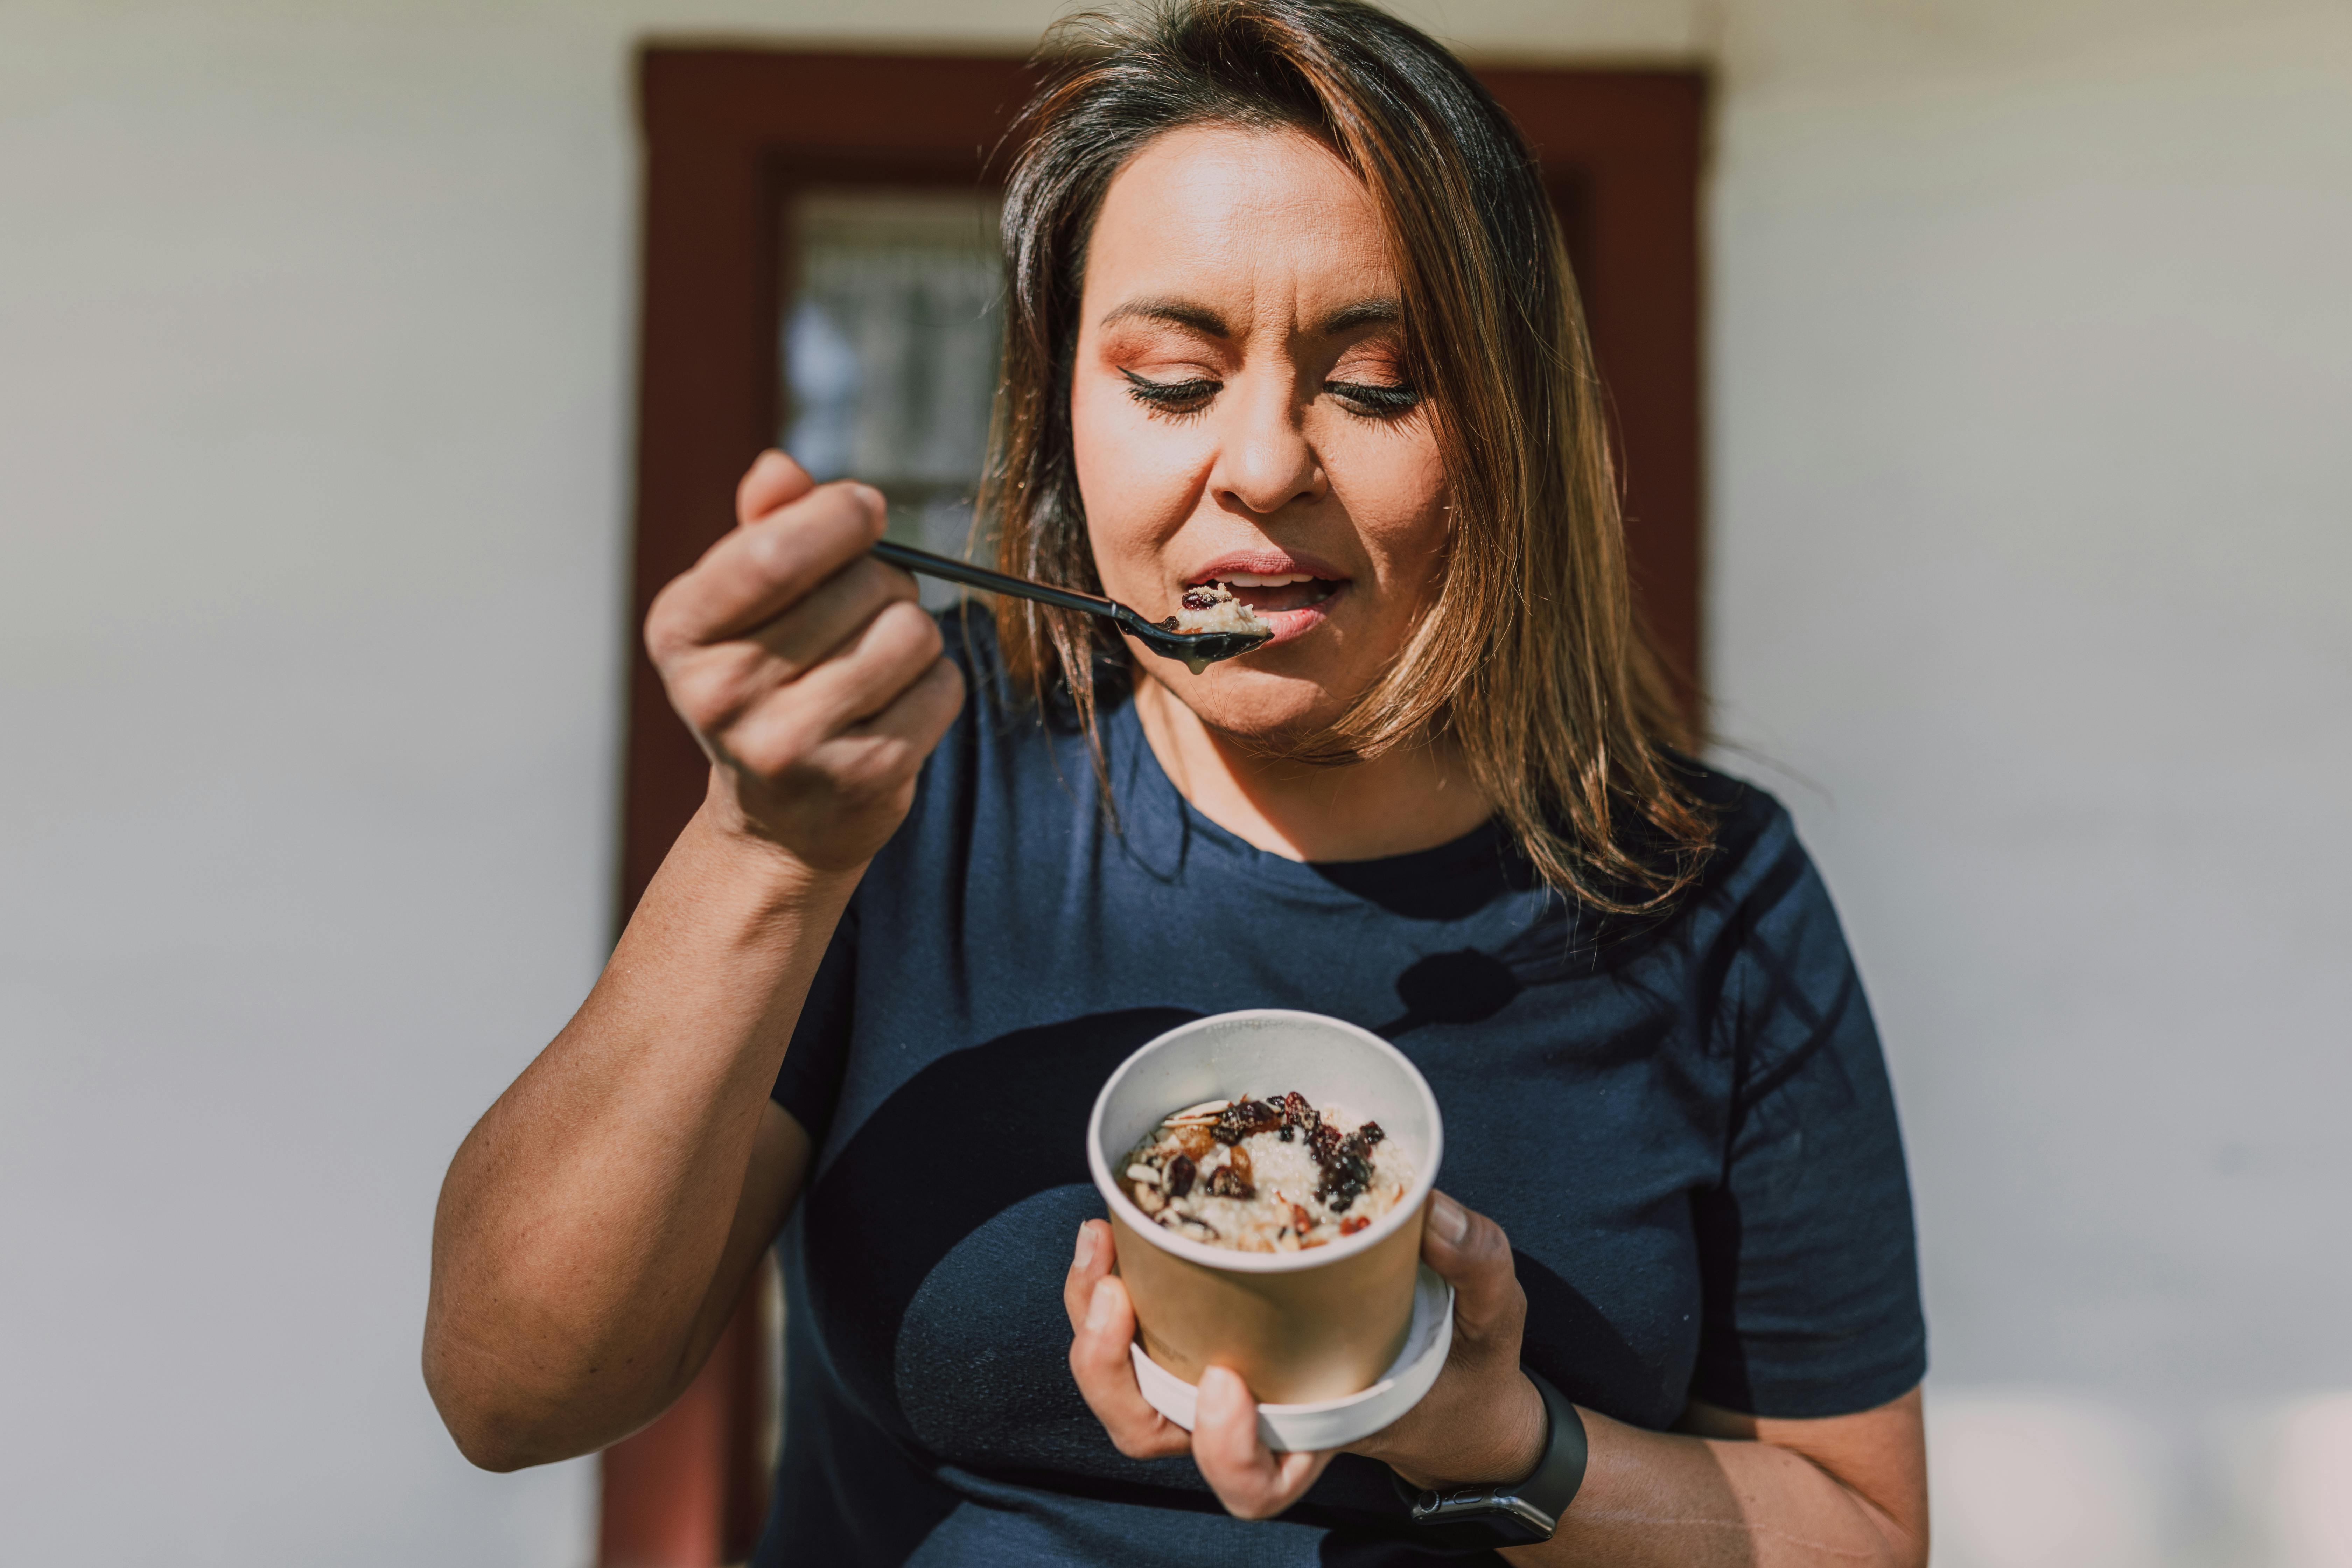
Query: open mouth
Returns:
{"type": "Point", "coordinates": [1271, 593]}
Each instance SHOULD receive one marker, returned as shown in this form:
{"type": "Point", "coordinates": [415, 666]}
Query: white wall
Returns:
{"type": "Point", "coordinates": [2030, 547]}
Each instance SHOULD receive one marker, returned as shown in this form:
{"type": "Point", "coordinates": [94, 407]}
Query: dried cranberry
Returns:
{"type": "Point", "coordinates": [1181, 1172]}
{"type": "Point", "coordinates": [1353, 1224]}
{"type": "Point", "coordinates": [1297, 1117]}
{"type": "Point", "coordinates": [1244, 1117]}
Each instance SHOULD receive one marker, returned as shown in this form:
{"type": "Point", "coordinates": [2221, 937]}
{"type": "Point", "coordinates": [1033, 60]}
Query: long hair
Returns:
{"type": "Point", "coordinates": [1529, 661]}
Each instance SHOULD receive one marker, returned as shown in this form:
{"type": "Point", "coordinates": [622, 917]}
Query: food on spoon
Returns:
{"type": "Point", "coordinates": [1212, 607]}
{"type": "Point", "coordinates": [1277, 1175]}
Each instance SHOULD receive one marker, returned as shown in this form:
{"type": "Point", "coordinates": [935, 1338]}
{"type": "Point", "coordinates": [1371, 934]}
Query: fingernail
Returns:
{"type": "Point", "coordinates": [1086, 1246]}
{"type": "Point", "coordinates": [1449, 1219]}
{"type": "Point", "coordinates": [1100, 1307]}
{"type": "Point", "coordinates": [874, 501]}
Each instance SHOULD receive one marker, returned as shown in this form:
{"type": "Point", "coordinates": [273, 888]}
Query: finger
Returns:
{"type": "Point", "coordinates": [874, 760]}
{"type": "Point", "coordinates": [863, 679]}
{"type": "Point", "coordinates": [1104, 1370]}
{"type": "Point", "coordinates": [1473, 1255]}
{"type": "Point", "coordinates": [1252, 1480]}
{"type": "Point", "coordinates": [830, 615]}
{"type": "Point", "coordinates": [755, 573]}
{"type": "Point", "coordinates": [772, 480]}
{"type": "Point", "coordinates": [1089, 1262]}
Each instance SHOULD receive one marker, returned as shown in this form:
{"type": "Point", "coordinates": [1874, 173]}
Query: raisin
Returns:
{"type": "Point", "coordinates": [1169, 625]}
{"type": "Point", "coordinates": [1244, 1117]}
{"type": "Point", "coordinates": [1345, 1177]}
{"type": "Point", "coordinates": [1224, 1181]}
{"type": "Point", "coordinates": [1370, 1133]}
{"type": "Point", "coordinates": [1204, 598]}
{"type": "Point", "coordinates": [1181, 1172]}
{"type": "Point", "coordinates": [1323, 1141]}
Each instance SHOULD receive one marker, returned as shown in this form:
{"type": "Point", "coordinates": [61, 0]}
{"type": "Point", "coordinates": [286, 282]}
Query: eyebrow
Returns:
{"type": "Point", "coordinates": [1177, 312]}
{"type": "Point", "coordinates": [1363, 313]}
{"type": "Point", "coordinates": [1377, 311]}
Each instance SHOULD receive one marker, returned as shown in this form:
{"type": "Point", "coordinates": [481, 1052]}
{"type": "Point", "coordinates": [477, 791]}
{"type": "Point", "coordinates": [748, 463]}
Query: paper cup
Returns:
{"type": "Point", "coordinates": [1332, 1422]}
{"type": "Point", "coordinates": [1300, 1327]}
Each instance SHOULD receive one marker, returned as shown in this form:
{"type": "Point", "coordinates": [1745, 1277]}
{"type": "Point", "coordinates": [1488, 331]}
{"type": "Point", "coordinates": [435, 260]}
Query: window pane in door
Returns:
{"type": "Point", "coordinates": [890, 350]}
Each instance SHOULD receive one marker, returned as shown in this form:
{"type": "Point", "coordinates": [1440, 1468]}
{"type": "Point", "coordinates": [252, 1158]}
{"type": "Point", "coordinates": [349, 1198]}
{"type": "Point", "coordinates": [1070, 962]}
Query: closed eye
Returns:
{"type": "Point", "coordinates": [1375, 401]}
{"type": "Point", "coordinates": [1173, 396]}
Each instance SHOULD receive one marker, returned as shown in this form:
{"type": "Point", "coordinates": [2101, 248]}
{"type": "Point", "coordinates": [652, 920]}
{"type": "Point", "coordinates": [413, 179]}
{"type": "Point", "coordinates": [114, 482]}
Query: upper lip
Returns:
{"type": "Point", "coordinates": [1264, 563]}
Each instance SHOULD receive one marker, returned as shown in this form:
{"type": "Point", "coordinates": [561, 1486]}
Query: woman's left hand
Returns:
{"type": "Point", "coordinates": [1482, 1421]}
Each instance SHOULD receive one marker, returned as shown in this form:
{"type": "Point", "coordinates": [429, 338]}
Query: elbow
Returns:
{"type": "Point", "coordinates": [497, 1426]}
{"type": "Point", "coordinates": [486, 1448]}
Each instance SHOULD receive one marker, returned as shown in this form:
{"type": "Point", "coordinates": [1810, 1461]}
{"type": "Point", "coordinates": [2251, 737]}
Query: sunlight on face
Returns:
{"type": "Point", "coordinates": [1239, 413]}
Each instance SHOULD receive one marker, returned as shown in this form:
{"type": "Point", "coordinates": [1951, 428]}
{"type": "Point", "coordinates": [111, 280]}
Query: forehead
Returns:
{"type": "Point", "coordinates": [1236, 213]}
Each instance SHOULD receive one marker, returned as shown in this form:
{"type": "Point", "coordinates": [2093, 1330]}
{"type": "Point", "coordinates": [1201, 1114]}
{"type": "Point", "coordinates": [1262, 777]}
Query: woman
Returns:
{"type": "Point", "coordinates": [1288, 310]}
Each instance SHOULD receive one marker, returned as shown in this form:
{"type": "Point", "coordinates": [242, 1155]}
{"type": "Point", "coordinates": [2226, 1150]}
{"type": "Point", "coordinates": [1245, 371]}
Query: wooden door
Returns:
{"type": "Point", "coordinates": [736, 141]}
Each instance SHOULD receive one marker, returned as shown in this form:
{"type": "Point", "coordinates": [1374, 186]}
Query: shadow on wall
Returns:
{"type": "Point", "coordinates": [2048, 1478]}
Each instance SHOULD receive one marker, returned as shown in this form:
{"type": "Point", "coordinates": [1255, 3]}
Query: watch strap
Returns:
{"type": "Point", "coordinates": [1514, 1513]}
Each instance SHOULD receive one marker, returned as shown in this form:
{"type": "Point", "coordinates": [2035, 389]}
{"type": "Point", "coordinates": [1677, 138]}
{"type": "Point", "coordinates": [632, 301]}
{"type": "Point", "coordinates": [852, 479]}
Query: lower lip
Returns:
{"type": "Point", "coordinates": [1291, 624]}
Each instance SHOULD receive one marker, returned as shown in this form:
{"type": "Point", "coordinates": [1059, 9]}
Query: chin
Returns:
{"type": "Point", "coordinates": [1259, 709]}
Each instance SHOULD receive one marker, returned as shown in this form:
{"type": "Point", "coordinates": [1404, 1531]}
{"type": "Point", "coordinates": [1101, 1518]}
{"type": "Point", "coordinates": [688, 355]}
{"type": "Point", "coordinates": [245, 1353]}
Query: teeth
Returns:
{"type": "Point", "coordinates": [1259, 580]}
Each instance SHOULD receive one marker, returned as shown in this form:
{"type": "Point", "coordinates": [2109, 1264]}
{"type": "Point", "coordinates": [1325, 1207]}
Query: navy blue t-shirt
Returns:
{"type": "Point", "coordinates": [1685, 1130]}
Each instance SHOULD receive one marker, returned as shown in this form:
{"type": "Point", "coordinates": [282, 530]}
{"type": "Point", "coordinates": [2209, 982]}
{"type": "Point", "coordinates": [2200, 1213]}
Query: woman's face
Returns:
{"type": "Point", "coordinates": [1240, 413]}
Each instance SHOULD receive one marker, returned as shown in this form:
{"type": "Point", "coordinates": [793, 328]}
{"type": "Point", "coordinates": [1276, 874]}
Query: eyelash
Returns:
{"type": "Point", "coordinates": [1181, 399]}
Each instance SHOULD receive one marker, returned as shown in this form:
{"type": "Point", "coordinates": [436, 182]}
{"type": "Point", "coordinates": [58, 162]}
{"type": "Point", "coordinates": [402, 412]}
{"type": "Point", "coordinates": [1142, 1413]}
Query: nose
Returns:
{"type": "Point", "coordinates": [1264, 461]}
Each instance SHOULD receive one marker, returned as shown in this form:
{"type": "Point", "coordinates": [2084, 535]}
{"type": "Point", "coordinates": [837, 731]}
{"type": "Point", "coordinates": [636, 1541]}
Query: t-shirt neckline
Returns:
{"type": "Point", "coordinates": [1171, 835]}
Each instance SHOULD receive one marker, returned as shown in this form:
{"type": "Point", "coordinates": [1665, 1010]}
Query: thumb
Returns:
{"type": "Point", "coordinates": [1471, 1253]}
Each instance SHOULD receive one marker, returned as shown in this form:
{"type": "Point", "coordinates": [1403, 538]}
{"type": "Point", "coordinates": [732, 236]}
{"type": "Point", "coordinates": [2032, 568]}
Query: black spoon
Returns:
{"type": "Point", "coordinates": [1197, 649]}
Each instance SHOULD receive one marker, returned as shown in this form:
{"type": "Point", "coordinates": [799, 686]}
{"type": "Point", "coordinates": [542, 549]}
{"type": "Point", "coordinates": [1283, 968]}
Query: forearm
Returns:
{"type": "Point", "coordinates": [595, 1226]}
{"type": "Point", "coordinates": [1677, 1501]}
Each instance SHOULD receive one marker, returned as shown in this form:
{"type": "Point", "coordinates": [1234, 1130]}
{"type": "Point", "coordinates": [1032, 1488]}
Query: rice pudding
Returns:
{"type": "Point", "coordinates": [1265, 1175]}
{"type": "Point", "coordinates": [1212, 607]}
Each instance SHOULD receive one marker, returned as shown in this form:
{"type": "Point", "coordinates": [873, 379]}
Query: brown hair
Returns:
{"type": "Point", "coordinates": [1531, 660]}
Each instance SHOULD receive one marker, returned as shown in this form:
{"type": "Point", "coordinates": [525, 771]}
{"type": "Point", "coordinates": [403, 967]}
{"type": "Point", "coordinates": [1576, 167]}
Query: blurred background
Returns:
{"type": "Point", "coordinates": [2025, 379]}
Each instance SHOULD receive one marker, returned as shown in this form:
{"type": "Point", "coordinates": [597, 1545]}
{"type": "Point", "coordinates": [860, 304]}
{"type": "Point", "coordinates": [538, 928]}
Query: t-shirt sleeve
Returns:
{"type": "Point", "coordinates": [809, 1083]}
{"type": "Point", "coordinates": [1810, 1270]}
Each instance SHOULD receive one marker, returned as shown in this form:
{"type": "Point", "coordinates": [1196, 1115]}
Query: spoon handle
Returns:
{"type": "Point", "coordinates": [949, 569]}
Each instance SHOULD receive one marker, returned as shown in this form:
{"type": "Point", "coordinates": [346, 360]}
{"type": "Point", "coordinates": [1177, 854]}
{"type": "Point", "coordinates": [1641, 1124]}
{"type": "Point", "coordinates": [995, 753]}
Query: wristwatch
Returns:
{"type": "Point", "coordinates": [1516, 1513]}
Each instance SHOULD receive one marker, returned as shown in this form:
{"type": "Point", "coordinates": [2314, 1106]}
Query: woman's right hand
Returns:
{"type": "Point", "coordinates": [806, 669]}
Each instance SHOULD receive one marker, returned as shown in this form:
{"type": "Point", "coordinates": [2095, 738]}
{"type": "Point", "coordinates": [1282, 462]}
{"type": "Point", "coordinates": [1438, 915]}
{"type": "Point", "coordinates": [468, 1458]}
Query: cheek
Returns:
{"type": "Point", "coordinates": [1136, 477]}
{"type": "Point", "coordinates": [1392, 484]}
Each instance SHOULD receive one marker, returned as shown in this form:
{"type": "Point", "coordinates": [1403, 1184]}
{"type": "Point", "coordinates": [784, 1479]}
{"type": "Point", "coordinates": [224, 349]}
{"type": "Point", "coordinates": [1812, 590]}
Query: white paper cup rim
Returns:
{"type": "Point", "coordinates": [1229, 1259]}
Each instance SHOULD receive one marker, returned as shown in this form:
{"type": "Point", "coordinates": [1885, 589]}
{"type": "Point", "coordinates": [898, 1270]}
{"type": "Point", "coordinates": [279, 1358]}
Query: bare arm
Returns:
{"type": "Point", "coordinates": [597, 1226]}
{"type": "Point", "coordinates": [1728, 1491]}
{"type": "Point", "coordinates": [1742, 1491]}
